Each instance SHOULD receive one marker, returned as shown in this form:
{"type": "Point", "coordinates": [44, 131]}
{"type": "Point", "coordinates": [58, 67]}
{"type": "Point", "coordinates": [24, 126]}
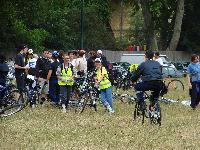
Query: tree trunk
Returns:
{"type": "Point", "coordinates": [148, 23]}
{"type": "Point", "coordinates": [177, 27]}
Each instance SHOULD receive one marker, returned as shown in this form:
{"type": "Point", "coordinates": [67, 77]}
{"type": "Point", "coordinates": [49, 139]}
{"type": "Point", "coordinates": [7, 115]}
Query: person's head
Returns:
{"type": "Point", "coordinates": [46, 53]}
{"type": "Point", "coordinates": [35, 56]}
{"type": "Point", "coordinates": [30, 53]}
{"type": "Point", "coordinates": [55, 55]}
{"type": "Point", "coordinates": [81, 53]}
{"type": "Point", "coordinates": [156, 55]}
{"type": "Point", "coordinates": [92, 53]}
{"type": "Point", "coordinates": [99, 52]}
{"type": "Point", "coordinates": [71, 55]}
{"type": "Point", "coordinates": [97, 62]}
{"type": "Point", "coordinates": [149, 54]}
{"type": "Point", "coordinates": [75, 53]}
{"type": "Point", "coordinates": [194, 58]}
{"type": "Point", "coordinates": [61, 53]}
{"type": "Point", "coordinates": [23, 48]}
{"type": "Point", "coordinates": [66, 59]}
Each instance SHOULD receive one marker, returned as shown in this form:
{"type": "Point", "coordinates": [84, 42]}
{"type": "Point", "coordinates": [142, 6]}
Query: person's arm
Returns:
{"type": "Point", "coordinates": [37, 69]}
{"type": "Point", "coordinates": [49, 75]}
{"type": "Point", "coordinates": [58, 73]}
{"type": "Point", "coordinates": [189, 81]}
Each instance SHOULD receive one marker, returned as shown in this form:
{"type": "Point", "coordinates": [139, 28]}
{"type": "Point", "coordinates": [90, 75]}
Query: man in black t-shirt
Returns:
{"type": "Point", "coordinates": [20, 67]}
{"type": "Point", "coordinates": [54, 89]}
{"type": "Point", "coordinates": [42, 68]}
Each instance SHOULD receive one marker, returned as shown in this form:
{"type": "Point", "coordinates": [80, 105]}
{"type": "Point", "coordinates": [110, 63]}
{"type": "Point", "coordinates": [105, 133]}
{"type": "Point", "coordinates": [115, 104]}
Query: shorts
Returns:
{"type": "Point", "coordinates": [44, 88]}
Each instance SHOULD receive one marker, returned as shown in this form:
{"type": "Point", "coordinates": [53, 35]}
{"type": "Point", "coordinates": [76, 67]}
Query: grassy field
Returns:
{"type": "Point", "coordinates": [48, 128]}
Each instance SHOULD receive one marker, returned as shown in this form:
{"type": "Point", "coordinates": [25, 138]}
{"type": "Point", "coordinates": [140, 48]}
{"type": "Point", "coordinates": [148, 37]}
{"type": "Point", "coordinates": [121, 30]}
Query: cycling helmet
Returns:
{"type": "Point", "coordinates": [55, 54]}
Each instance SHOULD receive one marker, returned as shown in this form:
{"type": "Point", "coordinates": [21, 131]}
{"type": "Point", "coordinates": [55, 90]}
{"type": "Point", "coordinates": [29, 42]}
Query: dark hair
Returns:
{"type": "Point", "coordinates": [81, 53]}
{"type": "Point", "coordinates": [70, 52]}
{"type": "Point", "coordinates": [157, 53]}
{"type": "Point", "coordinates": [149, 54]}
{"type": "Point", "coordinates": [45, 49]}
{"type": "Point", "coordinates": [75, 52]}
{"type": "Point", "coordinates": [193, 57]}
{"type": "Point", "coordinates": [22, 46]}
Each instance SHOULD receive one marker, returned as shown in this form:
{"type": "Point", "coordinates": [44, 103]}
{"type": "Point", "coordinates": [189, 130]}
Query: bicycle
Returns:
{"type": "Point", "coordinates": [88, 93]}
{"type": "Point", "coordinates": [153, 111]}
{"type": "Point", "coordinates": [11, 101]}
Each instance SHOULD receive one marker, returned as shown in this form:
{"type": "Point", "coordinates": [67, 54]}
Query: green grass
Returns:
{"type": "Point", "coordinates": [48, 128]}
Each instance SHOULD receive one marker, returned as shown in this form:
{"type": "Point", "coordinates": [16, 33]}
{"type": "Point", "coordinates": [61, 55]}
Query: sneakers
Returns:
{"type": "Point", "coordinates": [33, 106]}
{"type": "Point", "coordinates": [64, 110]}
{"type": "Point", "coordinates": [111, 111]}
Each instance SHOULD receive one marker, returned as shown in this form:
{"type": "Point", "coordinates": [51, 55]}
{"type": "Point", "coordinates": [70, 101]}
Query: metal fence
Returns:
{"type": "Point", "coordinates": [175, 56]}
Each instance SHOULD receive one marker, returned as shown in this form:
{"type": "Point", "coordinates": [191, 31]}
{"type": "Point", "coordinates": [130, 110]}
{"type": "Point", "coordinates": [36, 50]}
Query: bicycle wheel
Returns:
{"type": "Point", "coordinates": [174, 87]}
{"type": "Point", "coordinates": [13, 103]}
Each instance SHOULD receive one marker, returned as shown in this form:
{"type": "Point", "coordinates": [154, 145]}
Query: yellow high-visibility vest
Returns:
{"type": "Point", "coordinates": [67, 76]}
{"type": "Point", "coordinates": [104, 83]}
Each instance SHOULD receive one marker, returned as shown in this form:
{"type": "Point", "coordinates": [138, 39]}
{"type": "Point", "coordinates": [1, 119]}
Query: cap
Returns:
{"type": "Point", "coordinates": [30, 51]}
{"type": "Point", "coordinates": [55, 54]}
{"type": "Point", "coordinates": [99, 51]}
{"type": "Point", "coordinates": [97, 60]}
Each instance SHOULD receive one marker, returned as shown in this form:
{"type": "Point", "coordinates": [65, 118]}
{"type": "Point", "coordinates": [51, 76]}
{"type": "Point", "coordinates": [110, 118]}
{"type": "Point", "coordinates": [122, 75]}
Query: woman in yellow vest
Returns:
{"type": "Point", "coordinates": [104, 85]}
{"type": "Point", "coordinates": [65, 80]}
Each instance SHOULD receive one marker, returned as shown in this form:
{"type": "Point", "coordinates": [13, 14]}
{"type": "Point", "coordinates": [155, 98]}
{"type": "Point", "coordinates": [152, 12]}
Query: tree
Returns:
{"type": "Point", "coordinates": [177, 27]}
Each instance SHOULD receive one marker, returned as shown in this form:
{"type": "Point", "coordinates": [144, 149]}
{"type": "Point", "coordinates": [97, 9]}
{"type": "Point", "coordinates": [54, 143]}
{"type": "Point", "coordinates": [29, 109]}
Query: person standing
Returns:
{"type": "Point", "coordinates": [20, 67]}
{"type": "Point", "coordinates": [42, 69]}
{"type": "Point", "coordinates": [194, 80]}
{"type": "Point", "coordinates": [158, 58]}
{"type": "Point", "coordinates": [81, 64]}
{"type": "Point", "coordinates": [54, 89]}
{"type": "Point", "coordinates": [65, 81]}
{"type": "Point", "coordinates": [103, 58]}
{"type": "Point", "coordinates": [104, 85]}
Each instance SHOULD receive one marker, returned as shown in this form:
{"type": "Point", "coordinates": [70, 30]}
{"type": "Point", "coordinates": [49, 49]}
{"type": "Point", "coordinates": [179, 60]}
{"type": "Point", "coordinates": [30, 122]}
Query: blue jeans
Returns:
{"type": "Point", "coordinates": [106, 97]}
{"type": "Point", "coordinates": [54, 90]}
{"type": "Point", "coordinates": [195, 95]}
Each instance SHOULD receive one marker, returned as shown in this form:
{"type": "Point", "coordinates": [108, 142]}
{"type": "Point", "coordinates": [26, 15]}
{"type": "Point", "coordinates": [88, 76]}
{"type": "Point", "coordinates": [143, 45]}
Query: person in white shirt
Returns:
{"type": "Point", "coordinates": [158, 58]}
{"type": "Point", "coordinates": [81, 64]}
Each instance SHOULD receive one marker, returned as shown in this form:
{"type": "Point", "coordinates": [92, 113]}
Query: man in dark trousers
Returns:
{"type": "Point", "coordinates": [151, 75]}
{"type": "Point", "coordinates": [20, 67]}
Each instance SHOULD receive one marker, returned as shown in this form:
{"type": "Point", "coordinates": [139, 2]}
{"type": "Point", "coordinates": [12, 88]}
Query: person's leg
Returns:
{"type": "Point", "coordinates": [20, 83]}
{"type": "Point", "coordinates": [198, 94]}
{"type": "Point", "coordinates": [57, 92]}
{"type": "Point", "coordinates": [194, 95]}
{"type": "Point", "coordinates": [53, 91]}
{"type": "Point", "coordinates": [68, 90]}
{"type": "Point", "coordinates": [63, 94]}
{"type": "Point", "coordinates": [109, 96]}
{"type": "Point", "coordinates": [103, 97]}
{"type": "Point", "coordinates": [139, 88]}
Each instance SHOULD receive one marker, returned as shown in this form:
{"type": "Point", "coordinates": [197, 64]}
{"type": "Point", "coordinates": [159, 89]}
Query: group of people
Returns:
{"type": "Point", "coordinates": [56, 72]}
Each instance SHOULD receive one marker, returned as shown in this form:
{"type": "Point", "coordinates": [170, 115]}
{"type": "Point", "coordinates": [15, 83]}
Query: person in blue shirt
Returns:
{"type": "Point", "coordinates": [150, 74]}
{"type": "Point", "coordinates": [194, 80]}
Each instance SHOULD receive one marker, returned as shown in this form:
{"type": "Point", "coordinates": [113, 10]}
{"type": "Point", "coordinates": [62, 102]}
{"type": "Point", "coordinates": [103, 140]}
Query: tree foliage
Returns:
{"type": "Point", "coordinates": [54, 24]}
